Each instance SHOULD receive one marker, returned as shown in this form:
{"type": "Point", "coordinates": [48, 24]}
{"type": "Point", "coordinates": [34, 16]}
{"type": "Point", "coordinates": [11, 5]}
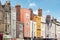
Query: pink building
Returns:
{"type": "Point", "coordinates": [24, 17]}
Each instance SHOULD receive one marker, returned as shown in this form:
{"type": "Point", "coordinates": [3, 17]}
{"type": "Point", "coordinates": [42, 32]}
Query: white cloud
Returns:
{"type": "Point", "coordinates": [32, 4]}
{"type": "Point", "coordinates": [44, 13]}
{"type": "Point", "coordinates": [35, 12]}
{"type": "Point", "coordinates": [47, 12]}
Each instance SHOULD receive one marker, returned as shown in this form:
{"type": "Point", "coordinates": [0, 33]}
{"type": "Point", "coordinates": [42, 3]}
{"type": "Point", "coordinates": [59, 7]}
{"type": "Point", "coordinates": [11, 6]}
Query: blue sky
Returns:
{"type": "Point", "coordinates": [51, 7]}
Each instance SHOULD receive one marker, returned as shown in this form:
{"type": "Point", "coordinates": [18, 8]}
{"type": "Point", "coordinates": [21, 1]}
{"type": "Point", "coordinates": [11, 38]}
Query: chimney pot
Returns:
{"type": "Point", "coordinates": [17, 6]}
{"type": "Point", "coordinates": [39, 12]}
{"type": "Point", "coordinates": [31, 15]}
{"type": "Point", "coordinates": [17, 12]}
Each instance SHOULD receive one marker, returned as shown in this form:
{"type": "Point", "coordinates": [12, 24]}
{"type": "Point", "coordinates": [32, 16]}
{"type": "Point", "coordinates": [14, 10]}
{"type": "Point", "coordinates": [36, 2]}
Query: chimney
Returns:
{"type": "Point", "coordinates": [39, 12]}
{"type": "Point", "coordinates": [8, 2]}
{"type": "Point", "coordinates": [54, 20]}
{"type": "Point", "coordinates": [31, 14]}
{"type": "Point", "coordinates": [48, 19]}
{"type": "Point", "coordinates": [17, 12]}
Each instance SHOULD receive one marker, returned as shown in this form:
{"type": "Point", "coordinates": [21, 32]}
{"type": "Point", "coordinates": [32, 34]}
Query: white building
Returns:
{"type": "Point", "coordinates": [45, 31]}
{"type": "Point", "coordinates": [13, 22]}
{"type": "Point", "coordinates": [43, 27]}
{"type": "Point", "coordinates": [19, 30]}
{"type": "Point", "coordinates": [58, 31]}
{"type": "Point", "coordinates": [32, 29]}
{"type": "Point", "coordinates": [52, 30]}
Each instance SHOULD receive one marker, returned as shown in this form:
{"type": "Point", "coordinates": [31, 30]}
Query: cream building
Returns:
{"type": "Point", "coordinates": [32, 29]}
{"type": "Point", "coordinates": [43, 28]}
{"type": "Point", "coordinates": [13, 22]}
{"type": "Point", "coordinates": [5, 18]}
{"type": "Point", "coordinates": [58, 31]}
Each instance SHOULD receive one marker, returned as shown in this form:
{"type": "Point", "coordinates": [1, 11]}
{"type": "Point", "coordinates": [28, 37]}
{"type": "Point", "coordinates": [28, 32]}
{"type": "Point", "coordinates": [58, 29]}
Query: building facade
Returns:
{"type": "Point", "coordinates": [13, 22]}
{"type": "Point", "coordinates": [43, 28]}
{"type": "Point", "coordinates": [52, 31]}
{"type": "Point", "coordinates": [25, 18]}
{"type": "Point", "coordinates": [19, 30]}
{"type": "Point", "coordinates": [5, 17]}
{"type": "Point", "coordinates": [37, 19]}
{"type": "Point", "coordinates": [23, 15]}
{"type": "Point", "coordinates": [48, 25]}
{"type": "Point", "coordinates": [32, 29]}
{"type": "Point", "coordinates": [58, 30]}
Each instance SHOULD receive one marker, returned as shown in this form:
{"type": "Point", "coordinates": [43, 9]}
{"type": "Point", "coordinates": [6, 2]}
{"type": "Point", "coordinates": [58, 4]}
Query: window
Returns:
{"type": "Point", "coordinates": [27, 32]}
{"type": "Point", "coordinates": [27, 15]}
{"type": "Point", "coordinates": [27, 23]}
{"type": "Point", "coordinates": [1, 16]}
{"type": "Point", "coordinates": [5, 28]}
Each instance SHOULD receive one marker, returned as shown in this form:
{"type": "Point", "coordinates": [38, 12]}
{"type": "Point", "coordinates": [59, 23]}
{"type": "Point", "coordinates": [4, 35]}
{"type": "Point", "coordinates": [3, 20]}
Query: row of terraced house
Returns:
{"type": "Point", "coordinates": [17, 23]}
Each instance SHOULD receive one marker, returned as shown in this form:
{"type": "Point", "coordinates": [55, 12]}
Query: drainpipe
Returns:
{"type": "Point", "coordinates": [32, 30]}
{"type": "Point", "coordinates": [55, 31]}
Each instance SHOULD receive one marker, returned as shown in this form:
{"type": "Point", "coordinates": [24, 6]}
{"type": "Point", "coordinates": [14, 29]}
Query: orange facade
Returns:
{"type": "Point", "coordinates": [25, 18]}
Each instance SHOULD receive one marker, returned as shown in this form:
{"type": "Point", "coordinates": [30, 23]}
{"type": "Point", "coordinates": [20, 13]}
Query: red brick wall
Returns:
{"type": "Point", "coordinates": [39, 12]}
{"type": "Point", "coordinates": [31, 14]}
{"type": "Point", "coordinates": [18, 12]}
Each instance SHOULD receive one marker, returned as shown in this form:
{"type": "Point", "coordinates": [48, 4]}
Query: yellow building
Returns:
{"type": "Point", "coordinates": [37, 19]}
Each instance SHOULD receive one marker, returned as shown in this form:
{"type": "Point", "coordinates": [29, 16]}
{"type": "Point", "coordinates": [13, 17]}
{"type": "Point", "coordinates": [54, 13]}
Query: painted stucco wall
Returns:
{"type": "Point", "coordinates": [13, 22]}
